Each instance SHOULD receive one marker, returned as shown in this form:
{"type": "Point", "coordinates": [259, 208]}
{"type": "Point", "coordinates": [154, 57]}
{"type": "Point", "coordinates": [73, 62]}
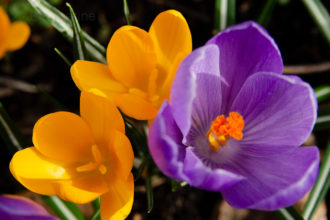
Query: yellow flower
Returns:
{"type": "Point", "coordinates": [141, 65]}
{"type": "Point", "coordinates": [81, 158]}
{"type": "Point", "coordinates": [13, 36]}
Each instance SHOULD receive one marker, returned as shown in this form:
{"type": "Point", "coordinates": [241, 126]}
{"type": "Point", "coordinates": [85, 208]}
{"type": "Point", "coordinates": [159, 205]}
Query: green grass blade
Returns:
{"type": "Point", "coordinates": [150, 195]}
{"type": "Point", "coordinates": [322, 93]}
{"type": "Point", "coordinates": [322, 122]}
{"type": "Point", "coordinates": [289, 213]}
{"type": "Point", "coordinates": [79, 49]}
{"type": "Point", "coordinates": [126, 12]}
{"type": "Point", "coordinates": [320, 188]}
{"type": "Point", "coordinates": [9, 132]}
{"type": "Point", "coordinates": [320, 16]}
{"type": "Point", "coordinates": [231, 12]}
{"type": "Point", "coordinates": [63, 24]}
{"type": "Point", "coordinates": [65, 210]}
{"type": "Point", "coordinates": [266, 12]}
{"type": "Point", "coordinates": [96, 215]}
{"type": "Point", "coordinates": [224, 14]}
{"type": "Point", "coordinates": [64, 58]}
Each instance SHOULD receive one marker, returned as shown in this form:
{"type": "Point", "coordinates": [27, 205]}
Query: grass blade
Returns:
{"type": "Point", "coordinates": [150, 195]}
{"type": "Point", "coordinates": [322, 122]}
{"type": "Point", "coordinates": [64, 58]}
{"type": "Point", "coordinates": [320, 16]}
{"type": "Point", "coordinates": [289, 213]}
{"type": "Point", "coordinates": [266, 12]}
{"type": "Point", "coordinates": [11, 135]}
{"type": "Point", "coordinates": [79, 49]}
{"type": "Point", "coordinates": [63, 24]}
{"type": "Point", "coordinates": [65, 210]}
{"type": "Point", "coordinates": [224, 14]}
{"type": "Point", "coordinates": [322, 93]}
{"type": "Point", "coordinates": [320, 188]}
{"type": "Point", "coordinates": [126, 12]}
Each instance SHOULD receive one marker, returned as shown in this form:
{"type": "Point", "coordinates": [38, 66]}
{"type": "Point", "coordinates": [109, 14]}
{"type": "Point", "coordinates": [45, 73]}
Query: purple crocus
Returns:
{"type": "Point", "coordinates": [21, 208]}
{"type": "Point", "coordinates": [235, 123]}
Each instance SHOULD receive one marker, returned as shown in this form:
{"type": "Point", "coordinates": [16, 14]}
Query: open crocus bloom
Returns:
{"type": "Point", "coordinates": [14, 35]}
{"type": "Point", "coordinates": [235, 123]}
{"type": "Point", "coordinates": [141, 65]}
{"type": "Point", "coordinates": [21, 208]}
{"type": "Point", "coordinates": [81, 158]}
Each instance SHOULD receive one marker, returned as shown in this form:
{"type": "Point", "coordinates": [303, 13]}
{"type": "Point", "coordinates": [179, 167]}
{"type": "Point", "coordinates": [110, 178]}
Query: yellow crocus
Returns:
{"type": "Point", "coordinates": [13, 36]}
{"type": "Point", "coordinates": [81, 158]}
{"type": "Point", "coordinates": [141, 65]}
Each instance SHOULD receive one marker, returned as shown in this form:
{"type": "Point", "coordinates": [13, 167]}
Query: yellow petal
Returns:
{"type": "Point", "coordinates": [18, 34]}
{"type": "Point", "coordinates": [65, 190]}
{"type": "Point", "coordinates": [4, 26]}
{"type": "Point", "coordinates": [101, 115]}
{"type": "Point", "coordinates": [92, 182]}
{"type": "Point", "coordinates": [135, 106]}
{"type": "Point", "coordinates": [63, 136]}
{"type": "Point", "coordinates": [117, 203]}
{"type": "Point", "coordinates": [29, 163]}
{"type": "Point", "coordinates": [131, 57]}
{"type": "Point", "coordinates": [90, 76]}
{"type": "Point", "coordinates": [165, 88]}
{"type": "Point", "coordinates": [39, 186]}
{"type": "Point", "coordinates": [121, 147]}
{"type": "Point", "coordinates": [171, 36]}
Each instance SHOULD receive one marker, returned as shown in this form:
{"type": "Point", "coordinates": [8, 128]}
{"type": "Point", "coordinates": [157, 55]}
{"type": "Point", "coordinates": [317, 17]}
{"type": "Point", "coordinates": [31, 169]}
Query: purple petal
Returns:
{"type": "Point", "coordinates": [244, 50]}
{"type": "Point", "coordinates": [165, 145]}
{"type": "Point", "coordinates": [206, 106]}
{"type": "Point", "coordinates": [196, 91]}
{"type": "Point", "coordinates": [279, 111]}
{"type": "Point", "coordinates": [203, 176]}
{"type": "Point", "coordinates": [273, 182]}
{"type": "Point", "coordinates": [20, 208]}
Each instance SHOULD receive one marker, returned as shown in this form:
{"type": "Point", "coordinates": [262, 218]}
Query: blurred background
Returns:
{"type": "Point", "coordinates": [304, 50]}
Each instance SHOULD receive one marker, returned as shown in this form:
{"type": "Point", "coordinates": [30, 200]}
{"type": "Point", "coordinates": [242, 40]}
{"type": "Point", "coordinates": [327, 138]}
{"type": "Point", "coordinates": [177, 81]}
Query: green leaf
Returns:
{"type": "Point", "coordinates": [126, 12]}
{"type": "Point", "coordinates": [150, 195]}
{"type": "Point", "coordinates": [96, 206]}
{"type": "Point", "coordinates": [320, 16]}
{"type": "Point", "coordinates": [96, 215]}
{"type": "Point", "coordinates": [64, 58]}
{"type": "Point", "coordinates": [266, 12]}
{"type": "Point", "coordinates": [320, 188]}
{"type": "Point", "coordinates": [65, 210]}
{"type": "Point", "coordinates": [79, 49]}
{"type": "Point", "coordinates": [322, 93]}
{"type": "Point", "coordinates": [289, 213]}
{"type": "Point", "coordinates": [322, 122]}
{"type": "Point", "coordinates": [11, 135]}
{"type": "Point", "coordinates": [63, 24]}
{"type": "Point", "coordinates": [224, 14]}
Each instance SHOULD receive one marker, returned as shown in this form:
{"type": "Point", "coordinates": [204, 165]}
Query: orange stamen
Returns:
{"type": "Point", "coordinates": [222, 129]}
{"type": "Point", "coordinates": [97, 164]}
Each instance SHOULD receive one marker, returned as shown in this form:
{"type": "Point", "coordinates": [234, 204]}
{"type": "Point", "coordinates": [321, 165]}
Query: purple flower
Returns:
{"type": "Point", "coordinates": [235, 123]}
{"type": "Point", "coordinates": [20, 208]}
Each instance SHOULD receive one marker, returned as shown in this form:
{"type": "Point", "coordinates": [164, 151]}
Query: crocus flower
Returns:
{"type": "Point", "coordinates": [141, 65]}
{"type": "Point", "coordinates": [235, 123]}
{"type": "Point", "coordinates": [81, 158]}
{"type": "Point", "coordinates": [20, 208]}
{"type": "Point", "coordinates": [14, 35]}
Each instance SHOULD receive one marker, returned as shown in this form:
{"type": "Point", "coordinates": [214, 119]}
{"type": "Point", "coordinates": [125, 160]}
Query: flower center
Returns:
{"type": "Point", "coordinates": [97, 164]}
{"type": "Point", "coordinates": [222, 129]}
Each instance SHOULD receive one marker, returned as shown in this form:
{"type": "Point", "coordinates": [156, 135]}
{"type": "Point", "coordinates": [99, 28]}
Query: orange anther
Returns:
{"type": "Point", "coordinates": [222, 129]}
